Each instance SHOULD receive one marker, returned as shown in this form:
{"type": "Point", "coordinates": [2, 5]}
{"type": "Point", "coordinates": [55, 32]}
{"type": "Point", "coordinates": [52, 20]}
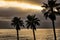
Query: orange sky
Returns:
{"type": "Point", "coordinates": [22, 5]}
{"type": "Point", "coordinates": [10, 11]}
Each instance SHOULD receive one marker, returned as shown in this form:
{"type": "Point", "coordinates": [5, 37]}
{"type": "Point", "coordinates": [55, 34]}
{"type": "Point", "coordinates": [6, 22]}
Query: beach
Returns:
{"type": "Point", "coordinates": [27, 34]}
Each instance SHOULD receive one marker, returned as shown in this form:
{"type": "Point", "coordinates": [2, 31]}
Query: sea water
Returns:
{"type": "Point", "coordinates": [27, 34]}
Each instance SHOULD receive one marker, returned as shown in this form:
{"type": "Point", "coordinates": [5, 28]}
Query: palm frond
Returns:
{"type": "Point", "coordinates": [56, 13]}
{"type": "Point", "coordinates": [46, 14]}
{"type": "Point", "coordinates": [36, 19]}
{"type": "Point", "coordinates": [45, 5]}
{"type": "Point", "coordinates": [28, 25]}
{"type": "Point", "coordinates": [37, 23]}
{"type": "Point", "coordinates": [34, 16]}
{"type": "Point", "coordinates": [52, 16]}
{"type": "Point", "coordinates": [57, 8]}
{"type": "Point", "coordinates": [13, 24]}
{"type": "Point", "coordinates": [57, 4]}
{"type": "Point", "coordinates": [17, 22]}
{"type": "Point", "coordinates": [32, 21]}
{"type": "Point", "coordinates": [29, 17]}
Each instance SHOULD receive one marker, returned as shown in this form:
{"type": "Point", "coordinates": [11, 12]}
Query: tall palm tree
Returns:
{"type": "Point", "coordinates": [51, 13]}
{"type": "Point", "coordinates": [17, 23]}
{"type": "Point", "coordinates": [32, 22]}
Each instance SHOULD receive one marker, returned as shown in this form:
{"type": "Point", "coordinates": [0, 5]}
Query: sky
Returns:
{"type": "Point", "coordinates": [22, 8]}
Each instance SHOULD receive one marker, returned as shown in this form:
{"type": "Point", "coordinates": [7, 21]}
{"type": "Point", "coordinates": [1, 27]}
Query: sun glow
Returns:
{"type": "Point", "coordinates": [19, 5]}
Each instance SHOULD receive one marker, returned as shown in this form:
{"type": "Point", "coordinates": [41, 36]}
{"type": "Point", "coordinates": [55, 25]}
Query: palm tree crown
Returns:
{"type": "Point", "coordinates": [17, 22]}
{"type": "Point", "coordinates": [50, 6]}
{"type": "Point", "coordinates": [32, 21]}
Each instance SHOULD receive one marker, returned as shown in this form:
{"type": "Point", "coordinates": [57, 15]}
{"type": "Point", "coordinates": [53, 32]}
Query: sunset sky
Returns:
{"type": "Point", "coordinates": [21, 8]}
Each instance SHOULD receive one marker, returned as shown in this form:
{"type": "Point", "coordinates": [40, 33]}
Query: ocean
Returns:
{"type": "Point", "coordinates": [27, 34]}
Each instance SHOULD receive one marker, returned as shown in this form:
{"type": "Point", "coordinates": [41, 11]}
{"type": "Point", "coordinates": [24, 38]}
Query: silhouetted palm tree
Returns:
{"type": "Point", "coordinates": [17, 22]}
{"type": "Point", "coordinates": [32, 22]}
{"type": "Point", "coordinates": [51, 13]}
{"type": "Point", "coordinates": [58, 8]}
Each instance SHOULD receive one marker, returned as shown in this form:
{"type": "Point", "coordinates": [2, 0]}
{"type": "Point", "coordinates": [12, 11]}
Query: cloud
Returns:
{"type": "Point", "coordinates": [6, 15]}
{"type": "Point", "coordinates": [8, 12]}
{"type": "Point", "coordinates": [5, 25]}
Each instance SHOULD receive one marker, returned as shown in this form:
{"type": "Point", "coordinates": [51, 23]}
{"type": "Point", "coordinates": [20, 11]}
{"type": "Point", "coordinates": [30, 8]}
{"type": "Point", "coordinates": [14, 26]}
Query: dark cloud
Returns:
{"type": "Point", "coordinates": [11, 12]}
{"type": "Point", "coordinates": [5, 25]}
{"type": "Point", "coordinates": [8, 13]}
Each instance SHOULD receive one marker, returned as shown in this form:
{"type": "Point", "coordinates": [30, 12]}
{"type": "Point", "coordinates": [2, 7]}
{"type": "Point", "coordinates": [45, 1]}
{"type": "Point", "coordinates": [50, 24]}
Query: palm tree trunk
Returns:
{"type": "Point", "coordinates": [34, 34]}
{"type": "Point", "coordinates": [17, 35]}
{"type": "Point", "coordinates": [54, 30]}
{"type": "Point", "coordinates": [53, 23]}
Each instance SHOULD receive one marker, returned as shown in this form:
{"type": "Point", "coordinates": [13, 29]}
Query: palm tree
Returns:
{"type": "Point", "coordinates": [17, 22]}
{"type": "Point", "coordinates": [32, 22]}
{"type": "Point", "coordinates": [51, 13]}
